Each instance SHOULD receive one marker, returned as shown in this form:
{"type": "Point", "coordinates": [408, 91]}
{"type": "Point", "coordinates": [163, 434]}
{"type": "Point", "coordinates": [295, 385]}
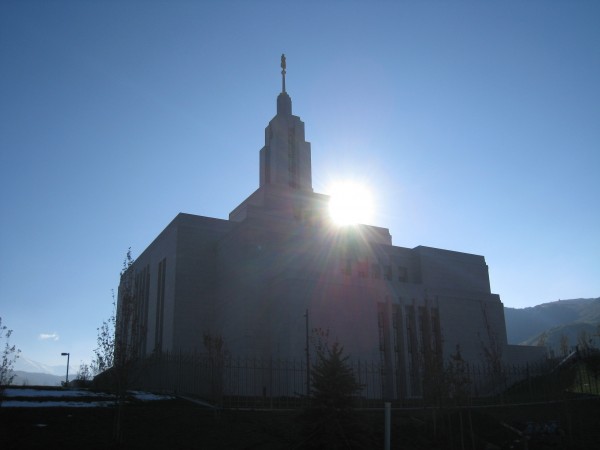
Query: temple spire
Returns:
{"type": "Point", "coordinates": [282, 72]}
{"type": "Point", "coordinates": [285, 158]}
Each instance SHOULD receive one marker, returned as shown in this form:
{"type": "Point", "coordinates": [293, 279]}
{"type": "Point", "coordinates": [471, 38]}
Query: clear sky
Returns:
{"type": "Point", "coordinates": [475, 124]}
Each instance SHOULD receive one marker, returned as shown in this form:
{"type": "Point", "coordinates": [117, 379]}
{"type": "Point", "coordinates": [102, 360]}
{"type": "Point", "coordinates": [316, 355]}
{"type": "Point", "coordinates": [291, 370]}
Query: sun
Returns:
{"type": "Point", "coordinates": [350, 203]}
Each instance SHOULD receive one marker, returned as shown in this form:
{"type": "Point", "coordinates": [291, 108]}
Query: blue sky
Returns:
{"type": "Point", "coordinates": [475, 124]}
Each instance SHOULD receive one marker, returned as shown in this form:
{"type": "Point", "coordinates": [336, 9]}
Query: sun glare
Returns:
{"type": "Point", "coordinates": [350, 203]}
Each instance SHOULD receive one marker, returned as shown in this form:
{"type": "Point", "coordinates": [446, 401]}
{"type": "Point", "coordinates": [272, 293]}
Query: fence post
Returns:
{"type": "Point", "coordinates": [388, 425]}
{"type": "Point", "coordinates": [271, 382]}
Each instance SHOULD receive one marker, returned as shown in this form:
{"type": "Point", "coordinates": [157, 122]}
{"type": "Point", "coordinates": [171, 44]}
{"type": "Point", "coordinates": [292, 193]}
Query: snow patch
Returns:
{"type": "Point", "coordinates": [32, 393]}
{"type": "Point", "coordinates": [68, 398]}
{"type": "Point", "coordinates": [64, 404]}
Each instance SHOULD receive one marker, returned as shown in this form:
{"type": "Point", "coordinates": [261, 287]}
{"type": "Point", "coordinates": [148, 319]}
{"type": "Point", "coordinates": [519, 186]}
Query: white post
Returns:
{"type": "Point", "coordinates": [388, 420]}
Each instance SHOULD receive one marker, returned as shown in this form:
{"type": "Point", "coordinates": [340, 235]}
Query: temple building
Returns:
{"type": "Point", "coordinates": [255, 278]}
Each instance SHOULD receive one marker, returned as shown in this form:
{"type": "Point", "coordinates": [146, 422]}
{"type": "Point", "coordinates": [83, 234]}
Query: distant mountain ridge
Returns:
{"type": "Point", "coordinates": [36, 379]}
{"type": "Point", "coordinates": [562, 317]}
{"type": "Point", "coordinates": [25, 364]}
{"type": "Point", "coordinates": [32, 373]}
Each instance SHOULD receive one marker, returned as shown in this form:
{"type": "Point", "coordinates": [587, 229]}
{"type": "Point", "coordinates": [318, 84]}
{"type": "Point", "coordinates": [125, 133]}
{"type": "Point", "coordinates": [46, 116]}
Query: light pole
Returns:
{"type": "Point", "coordinates": [68, 355]}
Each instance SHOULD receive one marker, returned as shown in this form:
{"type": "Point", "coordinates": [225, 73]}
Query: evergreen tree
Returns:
{"type": "Point", "coordinates": [333, 382]}
{"type": "Point", "coordinates": [331, 421]}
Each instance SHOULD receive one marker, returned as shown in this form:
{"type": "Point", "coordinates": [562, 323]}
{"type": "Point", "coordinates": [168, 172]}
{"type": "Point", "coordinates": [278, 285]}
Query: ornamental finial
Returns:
{"type": "Point", "coordinates": [283, 72]}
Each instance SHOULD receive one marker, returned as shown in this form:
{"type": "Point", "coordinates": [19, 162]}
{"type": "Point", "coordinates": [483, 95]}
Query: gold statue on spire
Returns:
{"type": "Point", "coordinates": [283, 72]}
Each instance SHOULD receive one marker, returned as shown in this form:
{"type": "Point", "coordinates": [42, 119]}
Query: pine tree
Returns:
{"type": "Point", "coordinates": [331, 421]}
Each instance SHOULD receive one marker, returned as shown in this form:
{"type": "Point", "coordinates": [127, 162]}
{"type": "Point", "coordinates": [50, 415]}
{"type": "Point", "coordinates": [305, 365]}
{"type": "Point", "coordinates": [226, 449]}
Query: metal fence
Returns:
{"type": "Point", "coordinates": [276, 383]}
{"type": "Point", "coordinates": [242, 382]}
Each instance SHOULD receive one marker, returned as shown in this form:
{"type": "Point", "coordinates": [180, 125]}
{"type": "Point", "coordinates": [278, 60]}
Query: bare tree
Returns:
{"type": "Point", "coordinates": [431, 356]}
{"type": "Point", "coordinates": [564, 345]}
{"type": "Point", "coordinates": [542, 342]}
{"type": "Point", "coordinates": [10, 353]}
{"type": "Point", "coordinates": [215, 347]}
{"type": "Point", "coordinates": [320, 339]}
{"type": "Point", "coordinates": [542, 339]}
{"type": "Point", "coordinates": [118, 336]}
{"type": "Point", "coordinates": [127, 338]}
{"type": "Point", "coordinates": [84, 374]}
{"type": "Point", "coordinates": [104, 353]}
{"type": "Point", "coordinates": [458, 378]}
{"type": "Point", "coordinates": [584, 341]}
{"type": "Point", "coordinates": [492, 351]}
{"type": "Point", "coordinates": [118, 352]}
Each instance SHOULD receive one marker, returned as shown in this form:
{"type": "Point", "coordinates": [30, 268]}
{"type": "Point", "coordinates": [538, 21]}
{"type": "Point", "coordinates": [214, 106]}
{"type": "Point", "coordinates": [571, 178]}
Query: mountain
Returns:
{"type": "Point", "coordinates": [571, 332]}
{"type": "Point", "coordinates": [563, 317]}
{"type": "Point", "coordinates": [33, 373]}
{"type": "Point", "coordinates": [28, 365]}
{"type": "Point", "coordinates": [36, 379]}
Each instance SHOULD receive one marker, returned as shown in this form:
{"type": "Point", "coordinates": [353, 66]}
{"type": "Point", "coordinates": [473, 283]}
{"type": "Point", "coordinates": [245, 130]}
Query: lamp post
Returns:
{"type": "Point", "coordinates": [68, 355]}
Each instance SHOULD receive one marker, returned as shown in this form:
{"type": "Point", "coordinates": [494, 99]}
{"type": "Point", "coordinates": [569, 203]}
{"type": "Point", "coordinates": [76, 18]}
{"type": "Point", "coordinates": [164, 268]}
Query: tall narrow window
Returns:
{"type": "Point", "coordinates": [375, 271]}
{"type": "Point", "coordinates": [402, 274]}
{"type": "Point", "coordinates": [292, 159]}
{"type": "Point", "coordinates": [437, 333]}
{"type": "Point", "coordinates": [363, 269]}
{"type": "Point", "coordinates": [347, 266]}
{"type": "Point", "coordinates": [380, 326]}
{"type": "Point", "coordinates": [267, 164]}
{"type": "Point", "coordinates": [398, 324]}
{"type": "Point", "coordinates": [388, 272]}
{"type": "Point", "coordinates": [142, 289]}
{"type": "Point", "coordinates": [413, 350]}
{"type": "Point", "coordinates": [385, 352]}
{"type": "Point", "coordinates": [425, 326]}
{"type": "Point", "coordinates": [160, 305]}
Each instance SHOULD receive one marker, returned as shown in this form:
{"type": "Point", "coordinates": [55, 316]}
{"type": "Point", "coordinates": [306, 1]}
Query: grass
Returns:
{"type": "Point", "coordinates": [173, 424]}
{"type": "Point", "coordinates": [179, 424]}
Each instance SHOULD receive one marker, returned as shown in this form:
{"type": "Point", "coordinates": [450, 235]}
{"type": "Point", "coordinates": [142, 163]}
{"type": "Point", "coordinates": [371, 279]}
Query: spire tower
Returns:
{"type": "Point", "coordinates": [285, 158]}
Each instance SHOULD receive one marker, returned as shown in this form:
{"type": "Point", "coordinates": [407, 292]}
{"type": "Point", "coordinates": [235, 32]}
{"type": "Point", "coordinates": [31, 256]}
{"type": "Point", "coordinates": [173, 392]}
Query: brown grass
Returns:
{"type": "Point", "coordinates": [178, 424]}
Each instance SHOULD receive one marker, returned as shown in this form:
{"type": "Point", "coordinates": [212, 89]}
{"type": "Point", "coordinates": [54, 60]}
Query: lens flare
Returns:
{"type": "Point", "coordinates": [350, 203]}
